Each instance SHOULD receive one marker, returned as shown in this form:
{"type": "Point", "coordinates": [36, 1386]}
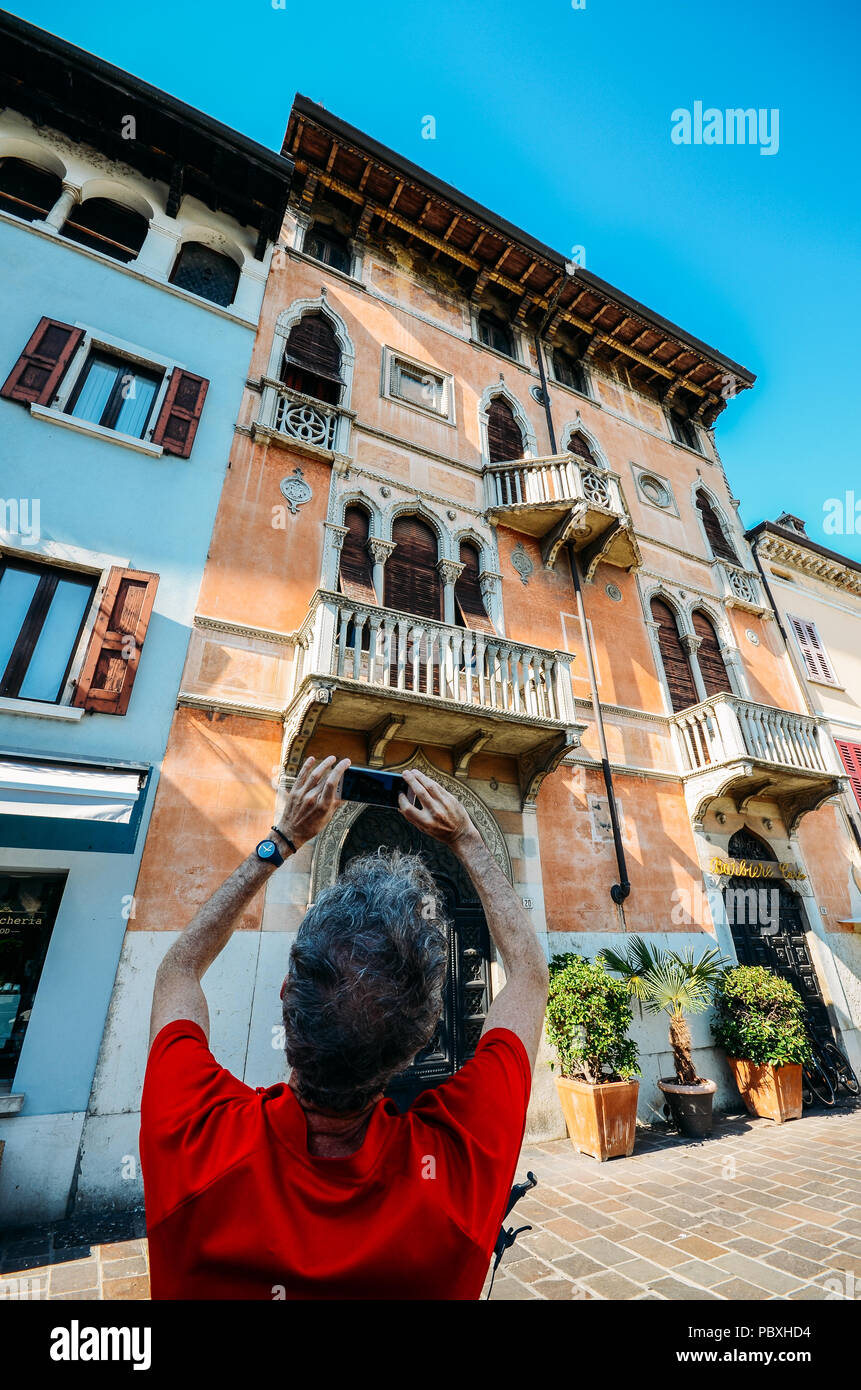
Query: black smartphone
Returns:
{"type": "Point", "coordinates": [374, 787]}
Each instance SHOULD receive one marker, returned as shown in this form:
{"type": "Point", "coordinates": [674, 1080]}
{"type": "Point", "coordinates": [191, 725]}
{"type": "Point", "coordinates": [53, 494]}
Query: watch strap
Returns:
{"type": "Point", "coordinates": [285, 838]}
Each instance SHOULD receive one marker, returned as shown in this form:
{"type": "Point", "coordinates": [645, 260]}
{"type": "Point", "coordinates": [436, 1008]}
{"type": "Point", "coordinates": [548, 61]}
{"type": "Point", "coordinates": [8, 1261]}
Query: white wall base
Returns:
{"type": "Point", "coordinates": [38, 1167]}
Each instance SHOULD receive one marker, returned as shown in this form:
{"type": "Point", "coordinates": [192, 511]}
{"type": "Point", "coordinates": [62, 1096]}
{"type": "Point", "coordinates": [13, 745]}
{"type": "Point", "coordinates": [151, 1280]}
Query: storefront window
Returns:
{"type": "Point", "coordinates": [28, 910]}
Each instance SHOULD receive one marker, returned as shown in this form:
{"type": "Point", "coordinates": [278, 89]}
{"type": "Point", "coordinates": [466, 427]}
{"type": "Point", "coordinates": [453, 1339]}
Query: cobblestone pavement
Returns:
{"type": "Point", "coordinates": [759, 1211]}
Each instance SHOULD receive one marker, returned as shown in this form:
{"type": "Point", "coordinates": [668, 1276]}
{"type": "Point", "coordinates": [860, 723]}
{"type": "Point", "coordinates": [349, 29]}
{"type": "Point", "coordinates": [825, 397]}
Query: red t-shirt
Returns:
{"type": "Point", "coordinates": [237, 1208]}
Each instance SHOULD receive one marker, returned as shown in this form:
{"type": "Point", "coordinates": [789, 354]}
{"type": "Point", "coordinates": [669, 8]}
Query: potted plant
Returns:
{"type": "Point", "coordinates": [667, 982]}
{"type": "Point", "coordinates": [759, 1022]}
{"type": "Point", "coordinates": [588, 1017]}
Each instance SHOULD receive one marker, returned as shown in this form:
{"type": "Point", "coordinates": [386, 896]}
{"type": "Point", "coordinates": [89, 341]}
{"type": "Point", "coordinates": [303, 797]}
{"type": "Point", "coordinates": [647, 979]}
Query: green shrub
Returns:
{"type": "Point", "coordinates": [588, 1017]}
{"type": "Point", "coordinates": [759, 1017]}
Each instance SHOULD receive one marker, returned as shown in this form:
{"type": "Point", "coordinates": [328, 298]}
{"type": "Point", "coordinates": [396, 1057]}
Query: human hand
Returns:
{"type": "Point", "coordinates": [313, 799]}
{"type": "Point", "coordinates": [440, 814]}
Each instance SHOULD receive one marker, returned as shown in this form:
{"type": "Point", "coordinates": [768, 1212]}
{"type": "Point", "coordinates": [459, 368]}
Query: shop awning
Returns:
{"type": "Point", "coordinates": [54, 803]}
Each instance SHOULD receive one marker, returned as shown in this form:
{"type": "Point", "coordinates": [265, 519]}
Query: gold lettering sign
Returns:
{"type": "Point", "coordinates": [754, 868]}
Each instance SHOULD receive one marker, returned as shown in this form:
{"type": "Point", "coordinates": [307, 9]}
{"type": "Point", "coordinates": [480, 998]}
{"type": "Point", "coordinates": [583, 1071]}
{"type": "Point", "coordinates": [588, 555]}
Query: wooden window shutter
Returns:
{"type": "Point", "coordinates": [412, 581]}
{"type": "Point", "coordinates": [815, 657]}
{"type": "Point", "coordinates": [468, 595]}
{"type": "Point", "coordinates": [178, 418]}
{"type": "Point", "coordinates": [356, 572]}
{"type": "Point", "coordinates": [111, 661]}
{"type": "Point", "coordinates": [41, 366]}
{"type": "Point", "coordinates": [850, 756]}
{"type": "Point", "coordinates": [577, 445]}
{"type": "Point", "coordinates": [677, 668]}
{"type": "Point", "coordinates": [712, 668]}
{"type": "Point", "coordinates": [312, 345]}
{"type": "Point", "coordinates": [504, 440]}
{"type": "Point", "coordinates": [720, 545]}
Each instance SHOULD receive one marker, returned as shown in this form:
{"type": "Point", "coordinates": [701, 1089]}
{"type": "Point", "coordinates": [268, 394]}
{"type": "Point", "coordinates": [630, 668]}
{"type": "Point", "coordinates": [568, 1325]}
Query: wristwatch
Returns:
{"type": "Point", "coordinates": [269, 852]}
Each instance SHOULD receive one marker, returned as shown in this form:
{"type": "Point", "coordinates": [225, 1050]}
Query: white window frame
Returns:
{"type": "Point", "coordinates": [93, 341]}
{"type": "Point", "coordinates": [393, 361]}
{"type": "Point", "coordinates": [816, 677]}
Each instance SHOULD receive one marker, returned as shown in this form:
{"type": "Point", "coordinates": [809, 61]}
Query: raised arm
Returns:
{"type": "Point", "coordinates": [177, 993]}
{"type": "Point", "coordinates": [520, 1004]}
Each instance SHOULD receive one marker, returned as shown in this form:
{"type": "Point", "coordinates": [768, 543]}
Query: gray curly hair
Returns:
{"type": "Point", "coordinates": [364, 991]}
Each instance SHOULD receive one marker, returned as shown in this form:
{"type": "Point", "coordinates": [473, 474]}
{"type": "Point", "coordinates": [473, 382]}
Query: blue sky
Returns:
{"type": "Point", "coordinates": [559, 119]}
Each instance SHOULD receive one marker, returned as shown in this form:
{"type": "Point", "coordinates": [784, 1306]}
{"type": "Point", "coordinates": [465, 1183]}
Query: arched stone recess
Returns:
{"type": "Point", "coordinates": [330, 842]}
{"type": "Point", "coordinates": [291, 316]}
{"type": "Point", "coordinates": [734, 536]}
{"type": "Point", "coordinates": [490, 579]}
{"type": "Point", "coordinates": [576, 426]}
{"type": "Point", "coordinates": [334, 528]}
{"type": "Point", "coordinates": [497, 390]}
{"type": "Point", "coordinates": [416, 506]}
{"type": "Point", "coordinates": [119, 193]}
{"type": "Point", "coordinates": [732, 659]}
{"type": "Point", "coordinates": [215, 240]}
{"type": "Point", "coordinates": [13, 147]}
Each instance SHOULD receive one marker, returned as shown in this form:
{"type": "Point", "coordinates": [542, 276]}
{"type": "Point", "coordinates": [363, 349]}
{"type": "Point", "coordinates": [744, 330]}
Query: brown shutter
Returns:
{"type": "Point", "coordinates": [313, 346]}
{"type": "Point", "coordinates": [111, 663]}
{"type": "Point", "coordinates": [468, 595]}
{"type": "Point", "coordinates": [850, 754]}
{"type": "Point", "coordinates": [720, 544]}
{"type": "Point", "coordinates": [815, 657]}
{"type": "Point", "coordinates": [177, 421]}
{"type": "Point", "coordinates": [577, 445]}
{"type": "Point", "coordinates": [504, 440]}
{"type": "Point", "coordinates": [712, 668]}
{"type": "Point", "coordinates": [677, 669]}
{"type": "Point", "coordinates": [40, 368]}
{"type": "Point", "coordinates": [412, 581]}
{"type": "Point", "coordinates": [356, 571]}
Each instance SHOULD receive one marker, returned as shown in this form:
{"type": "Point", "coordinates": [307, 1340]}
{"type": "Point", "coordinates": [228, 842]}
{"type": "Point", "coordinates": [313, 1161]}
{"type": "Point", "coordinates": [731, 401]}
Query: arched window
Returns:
{"type": "Point", "coordinates": [26, 190]}
{"type": "Point", "coordinates": [106, 226]}
{"type": "Point", "coordinates": [677, 668]}
{"type": "Point", "coordinates": [312, 359]}
{"type": "Point", "coordinates": [684, 430]}
{"type": "Point", "coordinates": [495, 333]}
{"type": "Point", "coordinates": [469, 599]}
{"type": "Point", "coordinates": [721, 546]}
{"type": "Point", "coordinates": [712, 668]}
{"type": "Point", "coordinates": [578, 445]}
{"type": "Point", "coordinates": [326, 245]}
{"type": "Point", "coordinates": [412, 581]}
{"type": "Point", "coordinates": [504, 437]}
{"type": "Point", "coordinates": [356, 572]}
{"type": "Point", "coordinates": [208, 273]}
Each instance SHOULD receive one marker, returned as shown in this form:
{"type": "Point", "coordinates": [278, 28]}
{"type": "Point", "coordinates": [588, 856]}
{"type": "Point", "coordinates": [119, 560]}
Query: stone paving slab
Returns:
{"type": "Point", "coordinates": [756, 1212]}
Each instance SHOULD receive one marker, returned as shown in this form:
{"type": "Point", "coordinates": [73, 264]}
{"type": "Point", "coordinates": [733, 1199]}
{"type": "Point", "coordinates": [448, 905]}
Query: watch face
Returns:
{"type": "Point", "coordinates": [266, 849]}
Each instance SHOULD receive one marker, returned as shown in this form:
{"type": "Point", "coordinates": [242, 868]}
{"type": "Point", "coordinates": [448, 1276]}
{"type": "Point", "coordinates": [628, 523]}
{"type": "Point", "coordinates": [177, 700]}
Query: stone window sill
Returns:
{"type": "Point", "coordinates": [69, 422]}
{"type": "Point", "coordinates": [11, 1105]}
{"type": "Point", "coordinates": [40, 709]}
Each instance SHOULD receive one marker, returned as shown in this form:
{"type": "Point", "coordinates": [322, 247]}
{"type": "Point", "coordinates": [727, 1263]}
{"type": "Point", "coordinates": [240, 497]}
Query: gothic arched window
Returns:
{"type": "Point", "coordinates": [712, 666]}
{"type": "Point", "coordinates": [504, 436]}
{"type": "Point", "coordinates": [412, 580]}
{"type": "Point", "coordinates": [721, 546]}
{"type": "Point", "coordinates": [677, 667]}
{"type": "Point", "coordinates": [312, 359]}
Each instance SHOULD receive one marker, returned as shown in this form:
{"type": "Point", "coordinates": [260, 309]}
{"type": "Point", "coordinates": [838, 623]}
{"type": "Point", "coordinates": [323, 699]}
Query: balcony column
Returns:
{"type": "Point", "coordinates": [450, 571]}
{"type": "Point", "coordinates": [332, 545]}
{"type": "Point", "coordinates": [692, 645]}
{"type": "Point", "coordinates": [489, 582]}
{"type": "Point", "coordinates": [70, 195]}
{"type": "Point", "coordinates": [379, 551]}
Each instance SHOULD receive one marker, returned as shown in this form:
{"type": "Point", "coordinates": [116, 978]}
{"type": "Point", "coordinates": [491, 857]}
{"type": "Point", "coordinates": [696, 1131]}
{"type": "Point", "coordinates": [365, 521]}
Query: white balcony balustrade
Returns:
{"type": "Point", "coordinates": [561, 498]}
{"type": "Point", "coordinates": [388, 674]}
{"type": "Point", "coordinates": [737, 748]}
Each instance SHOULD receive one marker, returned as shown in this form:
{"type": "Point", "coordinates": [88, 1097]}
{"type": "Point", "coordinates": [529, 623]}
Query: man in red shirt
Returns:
{"type": "Point", "coordinates": [320, 1188]}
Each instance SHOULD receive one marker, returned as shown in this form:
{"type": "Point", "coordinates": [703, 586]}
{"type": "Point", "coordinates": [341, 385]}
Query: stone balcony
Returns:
{"type": "Point", "coordinates": [301, 422]}
{"type": "Point", "coordinates": [390, 675]}
{"type": "Point", "coordinates": [729, 747]}
{"type": "Point", "coordinates": [560, 498]}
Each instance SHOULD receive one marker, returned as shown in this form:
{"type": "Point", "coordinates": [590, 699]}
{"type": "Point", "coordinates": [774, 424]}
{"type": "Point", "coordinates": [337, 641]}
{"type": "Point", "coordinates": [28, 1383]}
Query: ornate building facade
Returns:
{"type": "Point", "coordinates": [475, 520]}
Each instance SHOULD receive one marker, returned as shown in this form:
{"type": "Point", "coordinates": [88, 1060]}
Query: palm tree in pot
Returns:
{"type": "Point", "coordinates": [675, 984]}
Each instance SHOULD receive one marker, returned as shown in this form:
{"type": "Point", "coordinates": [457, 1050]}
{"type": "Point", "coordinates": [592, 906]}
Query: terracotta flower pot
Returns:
{"type": "Point", "coordinates": [601, 1120]}
{"type": "Point", "coordinates": [690, 1106]}
{"type": "Point", "coordinates": [774, 1093]}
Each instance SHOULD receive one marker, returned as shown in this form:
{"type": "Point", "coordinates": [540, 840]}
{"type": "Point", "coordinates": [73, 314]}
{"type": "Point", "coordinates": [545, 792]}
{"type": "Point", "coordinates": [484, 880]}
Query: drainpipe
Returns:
{"type": "Point", "coordinates": [620, 890]}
